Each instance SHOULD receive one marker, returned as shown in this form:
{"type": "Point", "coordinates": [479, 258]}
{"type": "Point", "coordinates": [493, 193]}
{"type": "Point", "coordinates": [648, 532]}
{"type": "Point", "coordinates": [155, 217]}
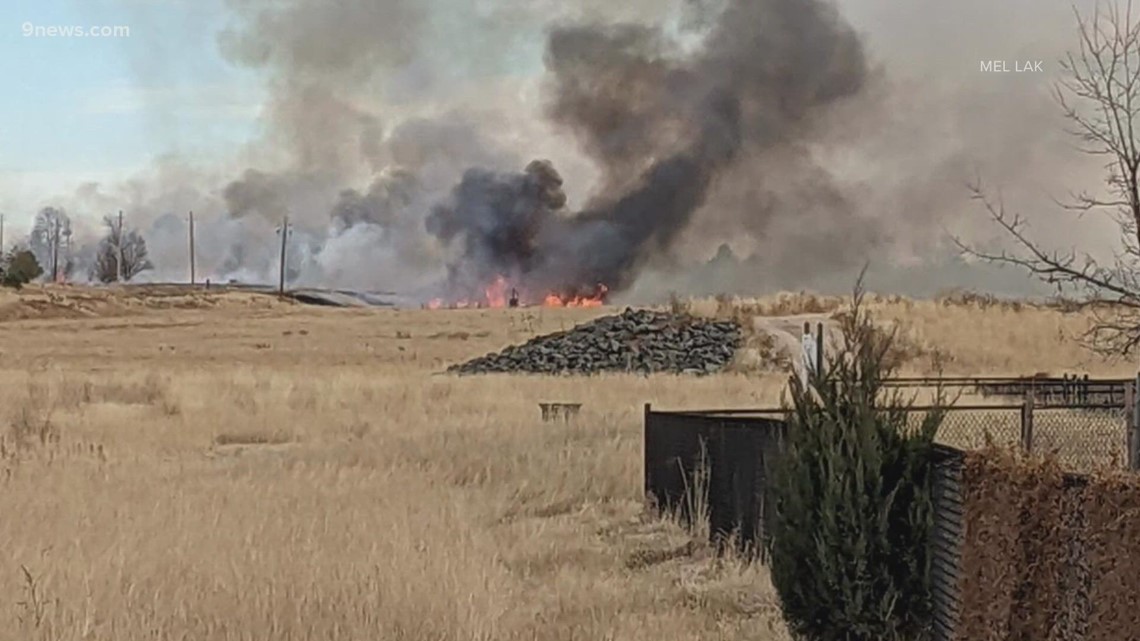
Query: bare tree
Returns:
{"type": "Point", "coordinates": [50, 241]}
{"type": "Point", "coordinates": [121, 252]}
{"type": "Point", "coordinates": [1099, 95]}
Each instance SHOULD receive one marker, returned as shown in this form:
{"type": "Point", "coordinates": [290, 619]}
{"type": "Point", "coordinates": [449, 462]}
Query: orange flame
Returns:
{"type": "Point", "coordinates": [496, 295]}
{"type": "Point", "coordinates": [496, 292]}
{"type": "Point", "coordinates": [597, 300]}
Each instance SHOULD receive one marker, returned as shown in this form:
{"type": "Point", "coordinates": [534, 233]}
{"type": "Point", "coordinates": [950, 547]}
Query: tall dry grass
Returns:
{"type": "Point", "coordinates": [307, 474]}
{"type": "Point", "coordinates": [959, 333]}
{"type": "Point", "coordinates": [279, 472]}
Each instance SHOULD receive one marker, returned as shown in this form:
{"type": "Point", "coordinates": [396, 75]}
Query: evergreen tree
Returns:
{"type": "Point", "coordinates": [19, 268]}
{"type": "Point", "coordinates": [852, 498]}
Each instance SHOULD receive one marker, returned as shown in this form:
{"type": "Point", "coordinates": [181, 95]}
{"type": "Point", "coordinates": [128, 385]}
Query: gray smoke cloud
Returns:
{"type": "Point", "coordinates": [661, 119]}
{"type": "Point", "coordinates": [811, 136]}
{"type": "Point", "coordinates": [321, 61]}
{"type": "Point", "coordinates": [900, 154]}
{"type": "Point", "coordinates": [325, 65]}
{"type": "Point", "coordinates": [664, 124]}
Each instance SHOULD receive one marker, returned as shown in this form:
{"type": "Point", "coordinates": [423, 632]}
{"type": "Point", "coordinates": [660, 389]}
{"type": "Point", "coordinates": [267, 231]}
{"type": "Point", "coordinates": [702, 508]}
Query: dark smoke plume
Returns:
{"type": "Point", "coordinates": [380, 205]}
{"type": "Point", "coordinates": [498, 220]}
{"type": "Point", "coordinates": [664, 125]}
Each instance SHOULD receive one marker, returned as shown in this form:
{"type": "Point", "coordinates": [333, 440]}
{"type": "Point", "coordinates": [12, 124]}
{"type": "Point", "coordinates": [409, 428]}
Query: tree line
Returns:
{"type": "Point", "coordinates": [120, 255]}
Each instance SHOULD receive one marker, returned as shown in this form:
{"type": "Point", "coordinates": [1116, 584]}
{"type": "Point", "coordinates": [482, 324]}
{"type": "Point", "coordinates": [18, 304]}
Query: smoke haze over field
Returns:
{"type": "Point", "coordinates": [435, 145]}
{"type": "Point", "coordinates": [662, 126]}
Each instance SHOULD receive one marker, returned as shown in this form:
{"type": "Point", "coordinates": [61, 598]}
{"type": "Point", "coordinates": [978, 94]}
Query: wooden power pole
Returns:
{"type": "Point", "coordinates": [284, 231]}
{"type": "Point", "coordinates": [55, 251]}
{"type": "Point", "coordinates": [119, 262]}
{"type": "Point", "coordinates": [1, 237]}
{"type": "Point", "coordinates": [192, 280]}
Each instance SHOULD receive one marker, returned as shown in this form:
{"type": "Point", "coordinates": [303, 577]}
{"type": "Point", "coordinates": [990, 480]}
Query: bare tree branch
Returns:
{"type": "Point", "coordinates": [1099, 97]}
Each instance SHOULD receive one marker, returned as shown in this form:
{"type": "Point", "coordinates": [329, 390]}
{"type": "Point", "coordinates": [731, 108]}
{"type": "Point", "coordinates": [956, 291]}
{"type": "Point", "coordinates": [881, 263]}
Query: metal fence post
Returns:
{"type": "Point", "coordinates": [1134, 425]}
{"type": "Point", "coordinates": [819, 350]}
{"type": "Point", "coordinates": [1027, 422]}
{"type": "Point", "coordinates": [1129, 422]}
{"type": "Point", "coordinates": [645, 446]}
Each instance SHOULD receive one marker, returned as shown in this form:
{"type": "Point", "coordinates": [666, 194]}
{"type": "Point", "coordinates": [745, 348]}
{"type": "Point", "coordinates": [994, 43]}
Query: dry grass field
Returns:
{"type": "Point", "coordinates": [225, 466]}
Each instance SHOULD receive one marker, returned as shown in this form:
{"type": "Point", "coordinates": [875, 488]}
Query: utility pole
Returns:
{"type": "Point", "coordinates": [119, 265]}
{"type": "Point", "coordinates": [1, 237]}
{"type": "Point", "coordinates": [284, 230]}
{"type": "Point", "coordinates": [67, 254]}
{"type": "Point", "coordinates": [191, 249]}
{"type": "Point", "coordinates": [55, 250]}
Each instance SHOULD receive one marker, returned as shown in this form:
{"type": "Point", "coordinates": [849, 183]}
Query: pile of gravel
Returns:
{"type": "Point", "coordinates": [634, 341]}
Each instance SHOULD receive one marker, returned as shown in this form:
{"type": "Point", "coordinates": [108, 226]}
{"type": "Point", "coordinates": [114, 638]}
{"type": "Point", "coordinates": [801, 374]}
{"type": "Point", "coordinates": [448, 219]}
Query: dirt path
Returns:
{"type": "Point", "coordinates": [786, 331]}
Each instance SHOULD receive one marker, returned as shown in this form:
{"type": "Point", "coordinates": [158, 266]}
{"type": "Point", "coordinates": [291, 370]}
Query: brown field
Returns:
{"type": "Point", "coordinates": [225, 466]}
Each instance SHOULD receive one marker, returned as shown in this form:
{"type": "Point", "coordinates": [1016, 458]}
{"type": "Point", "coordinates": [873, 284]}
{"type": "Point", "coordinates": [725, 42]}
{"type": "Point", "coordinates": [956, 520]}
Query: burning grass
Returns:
{"type": "Point", "coordinates": [407, 504]}
{"type": "Point", "coordinates": [501, 293]}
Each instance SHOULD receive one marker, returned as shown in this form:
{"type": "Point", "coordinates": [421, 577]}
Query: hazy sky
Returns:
{"type": "Point", "coordinates": [88, 108]}
{"type": "Point", "coordinates": [82, 107]}
{"type": "Point", "coordinates": [80, 110]}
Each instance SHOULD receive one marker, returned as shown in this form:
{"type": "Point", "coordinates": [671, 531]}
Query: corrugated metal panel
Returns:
{"type": "Point", "coordinates": [946, 543]}
{"type": "Point", "coordinates": [673, 450]}
{"type": "Point", "coordinates": [737, 448]}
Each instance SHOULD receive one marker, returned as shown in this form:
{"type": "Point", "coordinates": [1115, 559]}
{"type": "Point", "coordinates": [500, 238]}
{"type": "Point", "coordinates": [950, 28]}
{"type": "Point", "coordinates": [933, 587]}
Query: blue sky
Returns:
{"type": "Point", "coordinates": [78, 105]}
{"type": "Point", "coordinates": [101, 109]}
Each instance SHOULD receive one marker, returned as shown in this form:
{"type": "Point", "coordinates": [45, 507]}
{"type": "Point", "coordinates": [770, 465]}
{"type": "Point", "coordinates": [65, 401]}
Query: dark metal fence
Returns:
{"type": "Point", "coordinates": [715, 462]}
{"type": "Point", "coordinates": [1061, 391]}
{"type": "Point", "coordinates": [719, 460]}
{"type": "Point", "coordinates": [946, 543]}
{"type": "Point", "coordinates": [1064, 390]}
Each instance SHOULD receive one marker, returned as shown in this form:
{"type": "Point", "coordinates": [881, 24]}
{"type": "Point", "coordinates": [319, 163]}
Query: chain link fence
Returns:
{"type": "Point", "coordinates": [1083, 438]}
{"type": "Point", "coordinates": [975, 427]}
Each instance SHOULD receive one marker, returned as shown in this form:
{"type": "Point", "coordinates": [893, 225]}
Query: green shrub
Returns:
{"type": "Point", "coordinates": [852, 499]}
{"type": "Point", "coordinates": [19, 268]}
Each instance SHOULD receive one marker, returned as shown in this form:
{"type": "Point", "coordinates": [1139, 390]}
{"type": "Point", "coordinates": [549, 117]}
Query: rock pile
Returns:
{"type": "Point", "coordinates": [639, 341]}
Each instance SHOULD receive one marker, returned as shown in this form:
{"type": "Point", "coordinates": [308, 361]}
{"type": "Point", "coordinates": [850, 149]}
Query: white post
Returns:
{"type": "Point", "coordinates": [809, 354]}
